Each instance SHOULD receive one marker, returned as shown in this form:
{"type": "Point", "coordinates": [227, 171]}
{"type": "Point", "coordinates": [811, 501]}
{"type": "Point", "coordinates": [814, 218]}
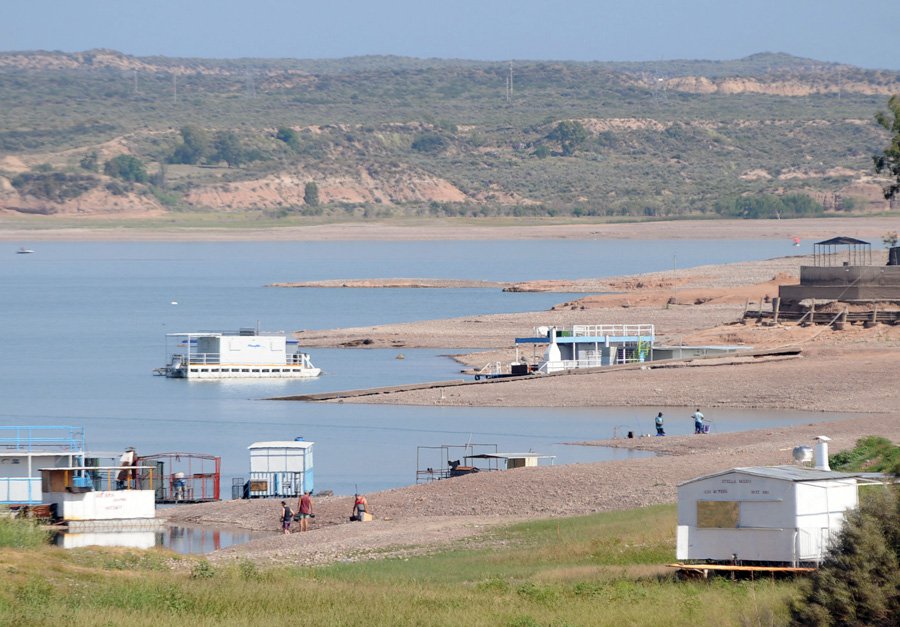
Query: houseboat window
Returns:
{"type": "Point", "coordinates": [204, 369]}
{"type": "Point", "coordinates": [245, 369]}
{"type": "Point", "coordinates": [265, 370]}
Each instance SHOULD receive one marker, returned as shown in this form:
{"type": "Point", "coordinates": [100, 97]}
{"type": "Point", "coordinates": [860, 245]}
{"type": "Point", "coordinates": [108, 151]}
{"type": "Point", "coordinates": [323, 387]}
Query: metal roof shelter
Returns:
{"type": "Point", "coordinates": [515, 460]}
{"type": "Point", "coordinates": [825, 253]}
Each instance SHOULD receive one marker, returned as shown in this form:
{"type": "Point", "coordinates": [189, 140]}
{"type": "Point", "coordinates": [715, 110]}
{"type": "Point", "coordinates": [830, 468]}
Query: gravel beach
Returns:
{"type": "Point", "coordinates": [852, 372]}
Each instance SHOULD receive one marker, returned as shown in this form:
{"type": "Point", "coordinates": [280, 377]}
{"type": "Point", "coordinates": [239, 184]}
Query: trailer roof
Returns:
{"type": "Point", "coordinates": [784, 473]}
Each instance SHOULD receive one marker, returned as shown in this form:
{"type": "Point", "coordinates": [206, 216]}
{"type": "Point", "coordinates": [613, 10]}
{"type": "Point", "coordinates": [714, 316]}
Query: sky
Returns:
{"type": "Point", "coordinates": [865, 33]}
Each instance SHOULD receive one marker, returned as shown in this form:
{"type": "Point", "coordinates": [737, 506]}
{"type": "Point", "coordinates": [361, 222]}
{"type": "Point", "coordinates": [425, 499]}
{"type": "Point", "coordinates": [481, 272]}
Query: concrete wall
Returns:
{"type": "Point", "coordinates": [844, 283]}
{"type": "Point", "coordinates": [104, 505]}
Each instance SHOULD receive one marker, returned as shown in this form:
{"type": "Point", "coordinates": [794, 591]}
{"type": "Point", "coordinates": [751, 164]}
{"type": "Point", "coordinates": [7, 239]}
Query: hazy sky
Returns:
{"type": "Point", "coordinates": [859, 32]}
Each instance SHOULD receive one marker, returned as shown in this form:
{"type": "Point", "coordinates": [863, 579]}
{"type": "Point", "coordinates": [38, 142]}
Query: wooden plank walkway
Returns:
{"type": "Point", "coordinates": [786, 352]}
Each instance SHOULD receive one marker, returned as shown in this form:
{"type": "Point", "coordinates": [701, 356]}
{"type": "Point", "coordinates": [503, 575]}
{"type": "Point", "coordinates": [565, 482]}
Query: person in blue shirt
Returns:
{"type": "Point", "coordinates": [659, 424]}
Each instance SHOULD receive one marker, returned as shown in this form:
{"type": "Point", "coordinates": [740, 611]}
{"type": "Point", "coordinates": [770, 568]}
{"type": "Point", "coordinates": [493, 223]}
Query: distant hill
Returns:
{"type": "Point", "coordinates": [770, 134]}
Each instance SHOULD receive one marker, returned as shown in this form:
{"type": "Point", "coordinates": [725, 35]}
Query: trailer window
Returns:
{"type": "Point", "coordinates": [718, 514]}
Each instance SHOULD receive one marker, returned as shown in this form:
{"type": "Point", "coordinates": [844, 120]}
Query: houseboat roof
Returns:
{"type": "Point", "coordinates": [582, 333]}
{"type": "Point", "coordinates": [783, 473]}
{"type": "Point", "coordinates": [281, 444]}
{"type": "Point", "coordinates": [510, 456]}
{"type": "Point", "coordinates": [240, 333]}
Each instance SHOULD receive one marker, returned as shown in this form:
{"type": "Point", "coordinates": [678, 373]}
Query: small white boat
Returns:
{"type": "Point", "coordinates": [24, 251]}
{"type": "Point", "coordinates": [244, 354]}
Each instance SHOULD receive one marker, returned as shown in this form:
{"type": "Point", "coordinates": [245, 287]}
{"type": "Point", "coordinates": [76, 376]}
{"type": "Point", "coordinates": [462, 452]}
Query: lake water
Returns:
{"type": "Point", "coordinates": [84, 324]}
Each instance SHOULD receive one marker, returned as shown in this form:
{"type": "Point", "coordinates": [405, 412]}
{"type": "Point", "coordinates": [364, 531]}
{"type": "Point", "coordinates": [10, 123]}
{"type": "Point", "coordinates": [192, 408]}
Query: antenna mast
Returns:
{"type": "Point", "coordinates": [509, 84]}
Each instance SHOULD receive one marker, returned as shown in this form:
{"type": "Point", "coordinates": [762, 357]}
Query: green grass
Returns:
{"type": "Point", "coordinates": [19, 534]}
{"type": "Point", "coordinates": [604, 569]}
{"type": "Point", "coordinates": [871, 454]}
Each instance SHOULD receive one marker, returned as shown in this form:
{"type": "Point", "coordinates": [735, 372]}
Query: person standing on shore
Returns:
{"type": "Point", "coordinates": [659, 424]}
{"type": "Point", "coordinates": [305, 510]}
{"type": "Point", "coordinates": [286, 517]}
{"type": "Point", "coordinates": [698, 421]}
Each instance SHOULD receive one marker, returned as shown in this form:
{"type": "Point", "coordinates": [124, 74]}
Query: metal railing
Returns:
{"type": "Point", "coordinates": [42, 438]}
{"type": "Point", "coordinates": [20, 490]}
{"type": "Point", "coordinates": [618, 330]}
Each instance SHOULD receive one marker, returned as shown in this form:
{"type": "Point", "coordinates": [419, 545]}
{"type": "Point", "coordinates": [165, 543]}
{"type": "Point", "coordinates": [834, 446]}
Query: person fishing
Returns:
{"type": "Point", "coordinates": [698, 422]}
{"type": "Point", "coordinates": [659, 424]}
{"type": "Point", "coordinates": [360, 507]}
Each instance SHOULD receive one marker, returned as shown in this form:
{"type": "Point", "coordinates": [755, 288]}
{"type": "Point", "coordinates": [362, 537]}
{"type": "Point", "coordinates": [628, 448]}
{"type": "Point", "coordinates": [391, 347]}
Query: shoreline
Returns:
{"type": "Point", "coordinates": [419, 519]}
{"type": "Point", "coordinates": [14, 229]}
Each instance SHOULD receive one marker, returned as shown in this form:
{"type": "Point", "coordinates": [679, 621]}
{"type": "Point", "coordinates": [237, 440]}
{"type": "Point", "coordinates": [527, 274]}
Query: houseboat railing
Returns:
{"type": "Point", "coordinates": [203, 359]}
{"type": "Point", "coordinates": [567, 364]}
{"type": "Point", "coordinates": [20, 489]}
{"type": "Point", "coordinates": [42, 438]}
{"type": "Point", "coordinates": [617, 330]}
{"type": "Point", "coordinates": [108, 478]}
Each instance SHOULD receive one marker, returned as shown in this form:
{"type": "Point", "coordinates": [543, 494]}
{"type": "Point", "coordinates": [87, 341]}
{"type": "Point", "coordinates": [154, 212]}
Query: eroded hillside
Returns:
{"type": "Point", "coordinates": [99, 132]}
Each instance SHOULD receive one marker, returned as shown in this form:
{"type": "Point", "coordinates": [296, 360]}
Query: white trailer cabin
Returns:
{"type": "Point", "coordinates": [280, 468]}
{"type": "Point", "coordinates": [783, 515]}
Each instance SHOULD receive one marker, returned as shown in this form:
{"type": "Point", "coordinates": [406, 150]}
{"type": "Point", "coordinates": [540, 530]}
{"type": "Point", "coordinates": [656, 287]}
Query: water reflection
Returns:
{"type": "Point", "coordinates": [184, 540]}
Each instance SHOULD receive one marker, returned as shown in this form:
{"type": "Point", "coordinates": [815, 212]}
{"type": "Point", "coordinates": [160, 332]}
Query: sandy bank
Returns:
{"type": "Point", "coordinates": [48, 229]}
{"type": "Point", "coordinates": [418, 519]}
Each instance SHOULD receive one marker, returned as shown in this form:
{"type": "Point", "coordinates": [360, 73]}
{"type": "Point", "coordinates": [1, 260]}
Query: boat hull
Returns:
{"type": "Point", "coordinates": [255, 371]}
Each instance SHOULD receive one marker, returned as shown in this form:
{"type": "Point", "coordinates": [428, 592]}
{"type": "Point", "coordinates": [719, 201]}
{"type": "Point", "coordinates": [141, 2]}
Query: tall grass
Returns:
{"type": "Point", "coordinates": [593, 570]}
{"type": "Point", "coordinates": [15, 533]}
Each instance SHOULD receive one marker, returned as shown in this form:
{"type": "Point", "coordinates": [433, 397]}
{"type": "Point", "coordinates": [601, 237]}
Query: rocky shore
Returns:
{"type": "Point", "coordinates": [852, 371]}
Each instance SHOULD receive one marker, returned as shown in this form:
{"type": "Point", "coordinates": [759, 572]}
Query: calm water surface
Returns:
{"type": "Point", "coordinates": [83, 325]}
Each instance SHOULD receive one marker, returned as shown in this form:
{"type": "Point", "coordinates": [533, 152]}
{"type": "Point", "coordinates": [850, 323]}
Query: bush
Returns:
{"type": "Point", "coordinates": [311, 194]}
{"type": "Point", "coordinates": [54, 186]}
{"type": "Point", "coordinates": [859, 581]}
{"type": "Point", "coordinates": [127, 168]}
{"type": "Point", "coordinates": [871, 454]}
{"type": "Point", "coordinates": [430, 143]}
{"type": "Point", "coordinates": [767, 206]}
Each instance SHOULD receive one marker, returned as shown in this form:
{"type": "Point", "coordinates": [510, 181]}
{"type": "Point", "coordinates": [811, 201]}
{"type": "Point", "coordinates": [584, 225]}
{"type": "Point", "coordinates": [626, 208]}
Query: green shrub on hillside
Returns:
{"type": "Point", "coordinates": [859, 581]}
{"type": "Point", "coordinates": [127, 168]}
{"type": "Point", "coordinates": [767, 206]}
{"type": "Point", "coordinates": [871, 454]}
{"type": "Point", "coordinates": [54, 186]}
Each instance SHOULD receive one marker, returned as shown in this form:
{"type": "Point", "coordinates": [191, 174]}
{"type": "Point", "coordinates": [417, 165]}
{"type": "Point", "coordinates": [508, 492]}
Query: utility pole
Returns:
{"type": "Point", "coordinates": [135, 82]}
{"type": "Point", "coordinates": [174, 88]}
{"type": "Point", "coordinates": [509, 84]}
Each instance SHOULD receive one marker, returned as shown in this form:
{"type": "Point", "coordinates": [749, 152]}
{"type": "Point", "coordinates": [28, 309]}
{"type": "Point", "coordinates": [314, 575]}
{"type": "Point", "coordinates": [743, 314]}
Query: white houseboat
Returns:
{"type": "Point", "coordinates": [243, 354]}
{"type": "Point", "coordinates": [592, 345]}
{"type": "Point", "coordinates": [25, 449]}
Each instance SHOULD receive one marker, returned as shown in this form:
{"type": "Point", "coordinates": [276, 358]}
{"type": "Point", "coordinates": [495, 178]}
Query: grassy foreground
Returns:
{"type": "Point", "coordinates": [602, 569]}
